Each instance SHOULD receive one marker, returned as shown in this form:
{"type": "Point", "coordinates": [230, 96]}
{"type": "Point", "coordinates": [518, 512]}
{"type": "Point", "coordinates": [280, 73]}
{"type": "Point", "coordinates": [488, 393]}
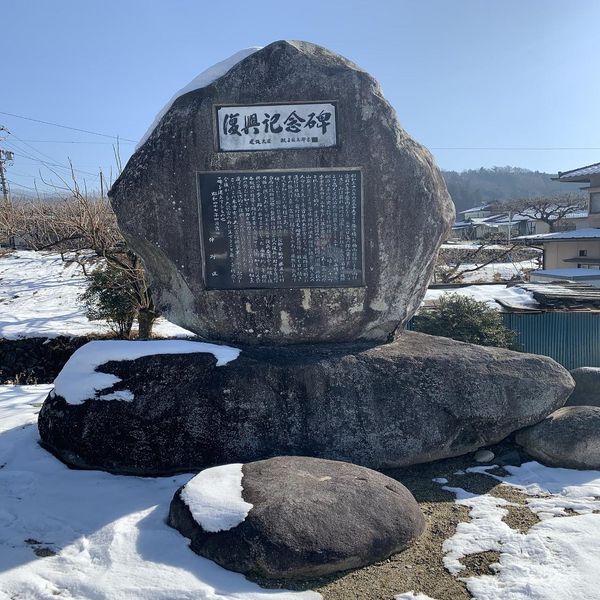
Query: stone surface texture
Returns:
{"type": "Point", "coordinates": [417, 399]}
{"type": "Point", "coordinates": [407, 209]}
{"type": "Point", "coordinates": [587, 387]}
{"type": "Point", "coordinates": [310, 517]}
{"type": "Point", "coordinates": [568, 438]}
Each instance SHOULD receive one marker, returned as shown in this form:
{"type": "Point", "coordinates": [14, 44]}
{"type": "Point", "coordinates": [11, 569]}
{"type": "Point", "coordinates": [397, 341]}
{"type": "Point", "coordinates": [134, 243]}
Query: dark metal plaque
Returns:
{"type": "Point", "coordinates": [282, 229]}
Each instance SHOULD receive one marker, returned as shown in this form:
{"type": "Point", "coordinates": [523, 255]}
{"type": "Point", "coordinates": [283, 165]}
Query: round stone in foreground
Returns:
{"type": "Point", "coordinates": [568, 438]}
{"type": "Point", "coordinates": [295, 517]}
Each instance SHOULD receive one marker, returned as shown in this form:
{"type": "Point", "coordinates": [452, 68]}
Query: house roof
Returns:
{"type": "Point", "coordinates": [474, 209]}
{"type": "Point", "coordinates": [568, 273]}
{"type": "Point", "coordinates": [582, 174]}
{"type": "Point", "coordinates": [576, 234]}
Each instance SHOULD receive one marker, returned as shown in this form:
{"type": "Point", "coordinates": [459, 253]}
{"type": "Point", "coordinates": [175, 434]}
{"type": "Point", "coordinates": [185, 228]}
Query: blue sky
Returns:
{"type": "Point", "coordinates": [473, 80]}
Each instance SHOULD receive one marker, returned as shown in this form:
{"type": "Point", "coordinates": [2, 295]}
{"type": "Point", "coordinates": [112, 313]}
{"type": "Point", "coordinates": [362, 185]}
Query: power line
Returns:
{"type": "Point", "coordinates": [20, 152]}
{"type": "Point", "coordinates": [71, 142]}
{"type": "Point", "coordinates": [509, 148]}
{"type": "Point", "coordinates": [114, 137]}
{"type": "Point", "coordinates": [21, 185]}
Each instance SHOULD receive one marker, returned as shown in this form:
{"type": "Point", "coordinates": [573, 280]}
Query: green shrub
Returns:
{"type": "Point", "coordinates": [109, 296]}
{"type": "Point", "coordinates": [466, 320]}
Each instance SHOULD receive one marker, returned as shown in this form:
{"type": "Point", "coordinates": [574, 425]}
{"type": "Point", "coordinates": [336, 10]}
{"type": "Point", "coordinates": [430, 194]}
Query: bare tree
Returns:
{"type": "Point", "coordinates": [551, 211]}
{"type": "Point", "coordinates": [454, 263]}
{"type": "Point", "coordinates": [85, 226]}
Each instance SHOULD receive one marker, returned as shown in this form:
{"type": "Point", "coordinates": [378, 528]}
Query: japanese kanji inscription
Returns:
{"type": "Point", "coordinates": [282, 229]}
{"type": "Point", "coordinates": [280, 126]}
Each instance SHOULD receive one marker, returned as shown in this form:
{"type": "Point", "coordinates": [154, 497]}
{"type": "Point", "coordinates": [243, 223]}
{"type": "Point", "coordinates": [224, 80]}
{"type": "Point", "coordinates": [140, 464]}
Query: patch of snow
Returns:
{"type": "Point", "coordinates": [412, 596]}
{"type": "Point", "coordinates": [486, 293]}
{"type": "Point", "coordinates": [214, 498]}
{"type": "Point", "coordinates": [39, 297]}
{"type": "Point", "coordinates": [485, 531]}
{"type": "Point", "coordinates": [205, 78]}
{"type": "Point", "coordinates": [109, 532]}
{"type": "Point", "coordinates": [506, 271]}
{"type": "Point", "coordinates": [553, 490]}
{"type": "Point", "coordinates": [442, 480]}
{"type": "Point", "coordinates": [79, 380]}
{"type": "Point", "coordinates": [555, 558]}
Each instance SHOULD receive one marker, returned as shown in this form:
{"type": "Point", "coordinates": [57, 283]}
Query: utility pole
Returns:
{"type": "Point", "coordinates": [5, 155]}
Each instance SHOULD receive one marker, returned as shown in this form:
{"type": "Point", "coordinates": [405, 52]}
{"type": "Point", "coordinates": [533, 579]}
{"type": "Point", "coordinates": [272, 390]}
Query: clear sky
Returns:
{"type": "Point", "coordinates": [479, 82]}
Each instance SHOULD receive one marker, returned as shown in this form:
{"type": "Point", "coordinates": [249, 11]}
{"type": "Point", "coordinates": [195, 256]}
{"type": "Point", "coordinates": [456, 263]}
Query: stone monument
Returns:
{"type": "Point", "coordinates": [283, 203]}
{"type": "Point", "coordinates": [279, 206]}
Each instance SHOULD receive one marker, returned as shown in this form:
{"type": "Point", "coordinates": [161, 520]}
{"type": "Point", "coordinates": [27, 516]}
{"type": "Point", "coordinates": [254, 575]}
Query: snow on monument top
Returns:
{"type": "Point", "coordinates": [205, 78]}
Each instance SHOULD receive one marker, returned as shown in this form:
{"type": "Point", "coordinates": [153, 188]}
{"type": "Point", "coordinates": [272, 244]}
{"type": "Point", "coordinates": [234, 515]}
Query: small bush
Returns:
{"type": "Point", "coordinates": [466, 320]}
{"type": "Point", "coordinates": [109, 296]}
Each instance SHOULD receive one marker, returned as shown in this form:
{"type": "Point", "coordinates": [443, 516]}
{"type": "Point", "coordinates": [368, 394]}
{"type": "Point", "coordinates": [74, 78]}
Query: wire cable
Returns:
{"type": "Point", "coordinates": [114, 137]}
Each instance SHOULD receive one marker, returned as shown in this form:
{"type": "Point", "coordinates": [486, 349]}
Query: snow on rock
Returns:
{"type": "Point", "coordinates": [79, 380]}
{"type": "Point", "coordinates": [486, 293]}
{"type": "Point", "coordinates": [555, 558]}
{"type": "Point", "coordinates": [39, 297]}
{"type": "Point", "coordinates": [205, 78]}
{"type": "Point", "coordinates": [214, 498]}
{"type": "Point", "coordinates": [108, 532]}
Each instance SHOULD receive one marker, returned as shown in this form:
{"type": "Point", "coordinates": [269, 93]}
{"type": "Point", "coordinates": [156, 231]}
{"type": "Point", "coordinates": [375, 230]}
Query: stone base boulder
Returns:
{"type": "Point", "coordinates": [304, 517]}
{"type": "Point", "coordinates": [418, 399]}
{"type": "Point", "coordinates": [569, 438]}
{"type": "Point", "coordinates": [587, 387]}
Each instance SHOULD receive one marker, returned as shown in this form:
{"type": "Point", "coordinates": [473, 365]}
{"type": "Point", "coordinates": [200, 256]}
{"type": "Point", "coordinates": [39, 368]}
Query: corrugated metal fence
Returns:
{"type": "Point", "coordinates": [570, 338]}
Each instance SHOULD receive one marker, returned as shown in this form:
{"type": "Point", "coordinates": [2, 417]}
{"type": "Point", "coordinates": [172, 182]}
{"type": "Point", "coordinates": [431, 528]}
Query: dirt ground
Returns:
{"type": "Point", "coordinates": [420, 568]}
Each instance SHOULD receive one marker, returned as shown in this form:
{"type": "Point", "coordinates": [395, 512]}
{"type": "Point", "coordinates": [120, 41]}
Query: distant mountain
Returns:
{"type": "Point", "coordinates": [478, 186]}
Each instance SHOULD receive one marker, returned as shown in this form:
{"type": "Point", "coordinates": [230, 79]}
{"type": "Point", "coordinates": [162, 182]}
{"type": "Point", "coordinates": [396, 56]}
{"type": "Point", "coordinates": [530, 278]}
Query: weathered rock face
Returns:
{"type": "Point", "coordinates": [418, 399]}
{"type": "Point", "coordinates": [568, 438]}
{"type": "Point", "coordinates": [406, 208]}
{"type": "Point", "coordinates": [310, 517]}
{"type": "Point", "coordinates": [587, 387]}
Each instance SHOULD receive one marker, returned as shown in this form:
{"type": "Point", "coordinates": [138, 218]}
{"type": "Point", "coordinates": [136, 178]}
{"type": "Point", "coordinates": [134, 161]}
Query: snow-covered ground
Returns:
{"type": "Point", "coordinates": [108, 532]}
{"type": "Point", "coordinates": [556, 558]}
{"type": "Point", "coordinates": [515, 296]}
{"type": "Point", "coordinates": [39, 298]}
{"type": "Point", "coordinates": [502, 271]}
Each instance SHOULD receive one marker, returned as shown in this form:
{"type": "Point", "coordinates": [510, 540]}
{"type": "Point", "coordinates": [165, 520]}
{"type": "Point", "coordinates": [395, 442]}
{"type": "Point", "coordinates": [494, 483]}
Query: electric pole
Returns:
{"type": "Point", "coordinates": [5, 155]}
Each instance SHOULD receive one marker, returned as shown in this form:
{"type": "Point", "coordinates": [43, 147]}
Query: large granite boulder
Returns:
{"type": "Point", "coordinates": [300, 517]}
{"type": "Point", "coordinates": [418, 399]}
{"type": "Point", "coordinates": [569, 438]}
{"type": "Point", "coordinates": [587, 387]}
{"type": "Point", "coordinates": [407, 211]}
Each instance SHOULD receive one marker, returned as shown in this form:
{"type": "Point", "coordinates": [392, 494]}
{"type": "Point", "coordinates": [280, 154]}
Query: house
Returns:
{"type": "Point", "coordinates": [589, 174]}
{"type": "Point", "coordinates": [568, 255]}
{"type": "Point", "coordinates": [508, 224]}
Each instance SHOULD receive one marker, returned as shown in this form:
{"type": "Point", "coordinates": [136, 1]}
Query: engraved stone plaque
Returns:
{"type": "Point", "coordinates": [276, 126]}
{"type": "Point", "coordinates": [282, 229]}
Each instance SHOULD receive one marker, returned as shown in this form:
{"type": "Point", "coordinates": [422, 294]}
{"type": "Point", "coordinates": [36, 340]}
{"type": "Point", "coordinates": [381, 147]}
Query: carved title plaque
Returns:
{"type": "Point", "coordinates": [276, 126]}
{"type": "Point", "coordinates": [282, 229]}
